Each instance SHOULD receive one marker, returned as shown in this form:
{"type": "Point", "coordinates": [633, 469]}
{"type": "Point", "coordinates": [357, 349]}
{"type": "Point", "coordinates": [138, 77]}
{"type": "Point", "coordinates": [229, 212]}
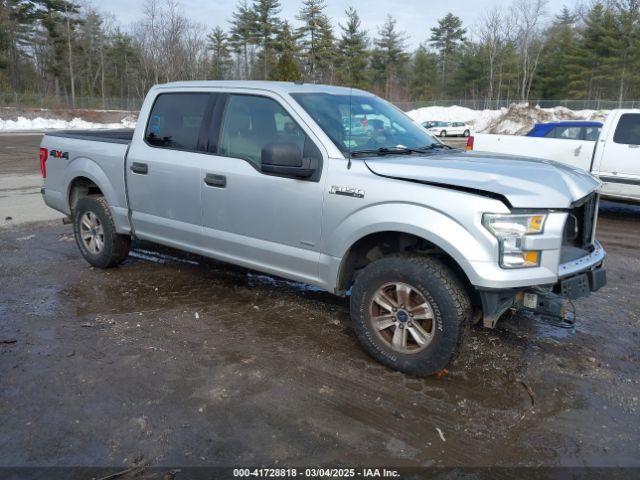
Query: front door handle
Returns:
{"type": "Point", "coordinates": [140, 168]}
{"type": "Point", "coordinates": [214, 180]}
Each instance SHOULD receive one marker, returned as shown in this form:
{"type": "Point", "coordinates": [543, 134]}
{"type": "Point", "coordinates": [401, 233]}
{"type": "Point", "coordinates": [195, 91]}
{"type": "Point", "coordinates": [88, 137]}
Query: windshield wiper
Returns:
{"type": "Point", "coordinates": [434, 146]}
{"type": "Point", "coordinates": [390, 151]}
{"type": "Point", "coordinates": [399, 150]}
{"type": "Point", "coordinates": [382, 151]}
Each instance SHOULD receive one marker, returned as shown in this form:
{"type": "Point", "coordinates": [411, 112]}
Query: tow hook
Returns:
{"type": "Point", "coordinates": [549, 305]}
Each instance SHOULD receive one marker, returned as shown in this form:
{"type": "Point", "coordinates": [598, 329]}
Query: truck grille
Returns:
{"type": "Point", "coordinates": [579, 229]}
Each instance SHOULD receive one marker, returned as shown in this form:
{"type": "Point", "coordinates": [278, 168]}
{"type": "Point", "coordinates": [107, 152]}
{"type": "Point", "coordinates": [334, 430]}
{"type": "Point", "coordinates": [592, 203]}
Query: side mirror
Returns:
{"type": "Point", "coordinates": [285, 159]}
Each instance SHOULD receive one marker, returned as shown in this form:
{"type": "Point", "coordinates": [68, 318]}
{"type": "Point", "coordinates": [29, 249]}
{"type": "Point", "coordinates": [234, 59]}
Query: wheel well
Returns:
{"type": "Point", "coordinates": [377, 245]}
{"type": "Point", "coordinates": [82, 187]}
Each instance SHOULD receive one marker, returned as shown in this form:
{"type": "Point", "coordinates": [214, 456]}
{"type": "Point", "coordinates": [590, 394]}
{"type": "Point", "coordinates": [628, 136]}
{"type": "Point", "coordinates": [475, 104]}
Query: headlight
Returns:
{"type": "Point", "coordinates": [510, 230]}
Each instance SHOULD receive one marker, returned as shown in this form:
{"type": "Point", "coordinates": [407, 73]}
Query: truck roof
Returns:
{"type": "Point", "coordinates": [278, 87]}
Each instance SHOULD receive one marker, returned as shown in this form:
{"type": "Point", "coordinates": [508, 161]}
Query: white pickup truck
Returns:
{"type": "Point", "coordinates": [614, 158]}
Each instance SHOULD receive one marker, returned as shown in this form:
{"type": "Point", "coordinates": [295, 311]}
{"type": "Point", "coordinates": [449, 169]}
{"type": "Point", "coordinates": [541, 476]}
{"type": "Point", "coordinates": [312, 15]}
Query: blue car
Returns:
{"type": "Point", "coordinates": [568, 130]}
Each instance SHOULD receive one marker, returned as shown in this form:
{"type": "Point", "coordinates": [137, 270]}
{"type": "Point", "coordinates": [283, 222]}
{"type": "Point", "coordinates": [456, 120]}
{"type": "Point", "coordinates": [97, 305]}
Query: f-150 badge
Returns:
{"type": "Point", "coordinates": [347, 191]}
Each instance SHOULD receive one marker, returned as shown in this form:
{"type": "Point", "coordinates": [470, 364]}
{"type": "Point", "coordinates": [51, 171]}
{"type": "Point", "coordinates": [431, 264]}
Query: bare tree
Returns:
{"type": "Point", "coordinates": [493, 34]}
{"type": "Point", "coordinates": [527, 17]}
{"type": "Point", "coordinates": [72, 78]}
{"type": "Point", "coordinates": [171, 47]}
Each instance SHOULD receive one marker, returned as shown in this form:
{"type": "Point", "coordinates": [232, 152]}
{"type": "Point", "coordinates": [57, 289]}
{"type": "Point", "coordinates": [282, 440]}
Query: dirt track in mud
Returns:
{"type": "Point", "coordinates": [172, 359]}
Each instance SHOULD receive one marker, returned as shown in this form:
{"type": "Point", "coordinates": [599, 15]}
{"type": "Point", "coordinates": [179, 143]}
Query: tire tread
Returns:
{"type": "Point", "coordinates": [435, 270]}
{"type": "Point", "coordinates": [120, 244]}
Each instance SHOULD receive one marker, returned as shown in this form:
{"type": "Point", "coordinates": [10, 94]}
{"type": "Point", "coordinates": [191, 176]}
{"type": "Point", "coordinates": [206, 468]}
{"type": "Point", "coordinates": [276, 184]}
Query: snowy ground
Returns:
{"type": "Point", "coordinates": [516, 120]}
{"type": "Point", "coordinates": [22, 124]}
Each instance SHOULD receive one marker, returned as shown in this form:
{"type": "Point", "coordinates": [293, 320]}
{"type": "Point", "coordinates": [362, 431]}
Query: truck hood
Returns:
{"type": "Point", "coordinates": [524, 182]}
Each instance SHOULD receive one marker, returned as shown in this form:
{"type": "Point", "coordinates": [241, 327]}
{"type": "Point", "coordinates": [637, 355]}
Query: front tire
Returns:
{"type": "Point", "coordinates": [95, 233]}
{"type": "Point", "coordinates": [410, 313]}
{"type": "Point", "coordinates": [466, 133]}
{"type": "Point", "coordinates": [443, 133]}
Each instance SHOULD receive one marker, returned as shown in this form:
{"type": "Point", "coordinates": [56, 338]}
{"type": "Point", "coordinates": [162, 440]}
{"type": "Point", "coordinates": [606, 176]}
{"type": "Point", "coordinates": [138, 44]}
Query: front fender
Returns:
{"type": "Point", "coordinates": [431, 225]}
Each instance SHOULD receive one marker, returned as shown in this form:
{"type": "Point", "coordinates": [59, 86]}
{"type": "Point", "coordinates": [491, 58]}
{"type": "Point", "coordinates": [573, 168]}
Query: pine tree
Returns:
{"type": "Point", "coordinates": [353, 57]}
{"type": "Point", "coordinates": [555, 63]}
{"type": "Point", "coordinates": [422, 74]}
{"type": "Point", "coordinates": [287, 67]}
{"type": "Point", "coordinates": [316, 36]}
{"type": "Point", "coordinates": [52, 46]}
{"type": "Point", "coordinates": [5, 44]}
{"type": "Point", "coordinates": [447, 37]}
{"type": "Point", "coordinates": [123, 66]}
{"type": "Point", "coordinates": [565, 17]}
{"type": "Point", "coordinates": [89, 50]}
{"type": "Point", "coordinates": [624, 43]}
{"type": "Point", "coordinates": [389, 56]}
{"type": "Point", "coordinates": [221, 55]}
{"type": "Point", "coordinates": [265, 30]}
{"type": "Point", "coordinates": [17, 19]}
{"type": "Point", "coordinates": [326, 52]}
{"type": "Point", "coordinates": [588, 75]}
{"type": "Point", "coordinates": [242, 35]}
{"type": "Point", "coordinates": [56, 17]}
{"type": "Point", "coordinates": [470, 80]}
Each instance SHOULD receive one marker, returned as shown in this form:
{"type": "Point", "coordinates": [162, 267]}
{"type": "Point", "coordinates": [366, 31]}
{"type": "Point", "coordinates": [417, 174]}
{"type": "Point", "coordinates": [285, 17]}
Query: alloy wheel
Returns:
{"type": "Point", "coordinates": [402, 317]}
{"type": "Point", "coordinates": [92, 233]}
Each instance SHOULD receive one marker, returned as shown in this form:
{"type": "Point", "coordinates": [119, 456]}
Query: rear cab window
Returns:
{"type": "Point", "coordinates": [569, 133]}
{"type": "Point", "coordinates": [628, 129]}
{"type": "Point", "coordinates": [592, 133]}
{"type": "Point", "coordinates": [176, 121]}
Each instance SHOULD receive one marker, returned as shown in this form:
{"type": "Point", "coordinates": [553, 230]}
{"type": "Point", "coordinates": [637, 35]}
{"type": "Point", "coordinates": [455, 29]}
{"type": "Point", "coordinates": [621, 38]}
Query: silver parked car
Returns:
{"type": "Point", "coordinates": [271, 176]}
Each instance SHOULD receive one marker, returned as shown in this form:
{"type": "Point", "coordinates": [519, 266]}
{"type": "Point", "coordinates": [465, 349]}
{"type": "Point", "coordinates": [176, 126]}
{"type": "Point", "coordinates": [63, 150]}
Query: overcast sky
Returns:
{"type": "Point", "coordinates": [415, 17]}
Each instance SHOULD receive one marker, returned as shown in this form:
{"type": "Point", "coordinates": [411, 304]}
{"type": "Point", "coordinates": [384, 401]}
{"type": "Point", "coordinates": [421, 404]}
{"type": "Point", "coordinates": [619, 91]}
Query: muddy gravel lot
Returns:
{"type": "Point", "coordinates": [172, 359]}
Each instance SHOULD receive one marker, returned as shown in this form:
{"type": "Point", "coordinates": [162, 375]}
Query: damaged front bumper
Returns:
{"type": "Point", "coordinates": [576, 280]}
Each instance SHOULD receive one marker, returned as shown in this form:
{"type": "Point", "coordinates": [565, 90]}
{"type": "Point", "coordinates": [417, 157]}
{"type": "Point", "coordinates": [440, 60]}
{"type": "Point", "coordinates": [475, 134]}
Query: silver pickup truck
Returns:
{"type": "Point", "coordinates": [335, 188]}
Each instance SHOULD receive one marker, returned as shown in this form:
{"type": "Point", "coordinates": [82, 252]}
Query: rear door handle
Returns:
{"type": "Point", "coordinates": [214, 180]}
{"type": "Point", "coordinates": [140, 168]}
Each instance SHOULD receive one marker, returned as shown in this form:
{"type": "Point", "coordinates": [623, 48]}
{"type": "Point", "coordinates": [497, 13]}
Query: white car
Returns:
{"type": "Point", "coordinates": [448, 129]}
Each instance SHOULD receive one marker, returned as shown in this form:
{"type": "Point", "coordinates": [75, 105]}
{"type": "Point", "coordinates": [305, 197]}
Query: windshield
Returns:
{"type": "Point", "coordinates": [374, 124]}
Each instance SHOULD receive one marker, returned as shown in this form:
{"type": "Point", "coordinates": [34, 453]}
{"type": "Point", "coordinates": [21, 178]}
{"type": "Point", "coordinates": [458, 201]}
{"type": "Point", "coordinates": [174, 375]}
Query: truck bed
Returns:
{"type": "Point", "coordinates": [96, 155]}
{"type": "Point", "coordinates": [121, 135]}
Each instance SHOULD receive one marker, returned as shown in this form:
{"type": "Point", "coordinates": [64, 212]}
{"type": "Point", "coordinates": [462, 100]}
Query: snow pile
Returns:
{"type": "Point", "coordinates": [478, 119]}
{"type": "Point", "coordinates": [40, 123]}
{"type": "Point", "coordinates": [518, 119]}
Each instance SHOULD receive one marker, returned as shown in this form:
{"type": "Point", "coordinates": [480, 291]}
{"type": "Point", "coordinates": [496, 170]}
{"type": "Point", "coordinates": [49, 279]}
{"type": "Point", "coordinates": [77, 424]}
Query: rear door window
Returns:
{"type": "Point", "coordinates": [628, 129]}
{"type": "Point", "coordinates": [176, 121]}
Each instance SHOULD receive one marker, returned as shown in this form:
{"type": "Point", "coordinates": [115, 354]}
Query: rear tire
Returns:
{"type": "Point", "coordinates": [397, 338]}
{"type": "Point", "coordinates": [95, 233]}
{"type": "Point", "coordinates": [443, 133]}
{"type": "Point", "coordinates": [466, 133]}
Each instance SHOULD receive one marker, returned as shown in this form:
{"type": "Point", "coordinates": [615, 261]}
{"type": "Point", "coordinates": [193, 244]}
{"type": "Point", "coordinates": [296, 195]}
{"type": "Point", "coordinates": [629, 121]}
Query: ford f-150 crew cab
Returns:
{"type": "Point", "coordinates": [274, 177]}
{"type": "Point", "coordinates": [613, 156]}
